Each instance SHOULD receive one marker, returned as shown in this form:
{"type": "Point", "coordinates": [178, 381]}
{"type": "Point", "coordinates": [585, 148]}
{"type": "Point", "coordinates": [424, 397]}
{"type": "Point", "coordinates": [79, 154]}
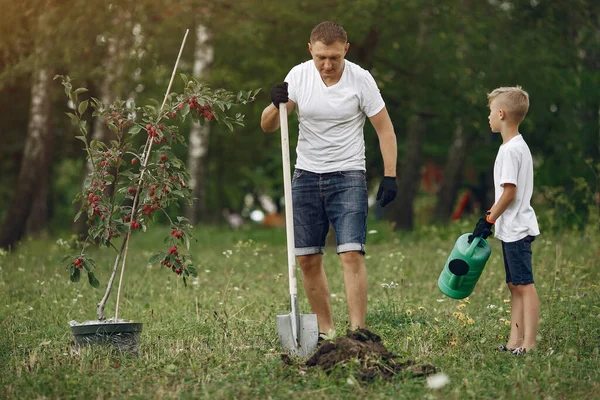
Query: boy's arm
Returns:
{"type": "Point", "coordinates": [508, 195]}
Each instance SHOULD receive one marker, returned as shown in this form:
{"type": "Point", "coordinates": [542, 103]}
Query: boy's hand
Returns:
{"type": "Point", "coordinates": [279, 94]}
{"type": "Point", "coordinates": [387, 190]}
{"type": "Point", "coordinates": [483, 228]}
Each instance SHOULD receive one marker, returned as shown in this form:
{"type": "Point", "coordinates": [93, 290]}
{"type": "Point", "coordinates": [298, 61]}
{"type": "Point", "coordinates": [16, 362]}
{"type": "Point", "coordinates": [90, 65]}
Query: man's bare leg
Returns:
{"type": "Point", "coordinates": [355, 282]}
{"type": "Point", "coordinates": [316, 287]}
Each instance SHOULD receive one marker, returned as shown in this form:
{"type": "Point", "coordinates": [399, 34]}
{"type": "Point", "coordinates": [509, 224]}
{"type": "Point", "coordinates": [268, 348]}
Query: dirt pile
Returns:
{"type": "Point", "coordinates": [364, 348]}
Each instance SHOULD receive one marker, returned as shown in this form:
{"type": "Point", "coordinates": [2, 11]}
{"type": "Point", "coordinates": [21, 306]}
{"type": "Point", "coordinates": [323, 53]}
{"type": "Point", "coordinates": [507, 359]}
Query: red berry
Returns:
{"type": "Point", "coordinates": [134, 161]}
{"type": "Point", "coordinates": [163, 157]}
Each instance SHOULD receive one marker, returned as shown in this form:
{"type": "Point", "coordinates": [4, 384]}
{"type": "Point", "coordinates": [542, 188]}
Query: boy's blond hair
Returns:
{"type": "Point", "coordinates": [513, 100]}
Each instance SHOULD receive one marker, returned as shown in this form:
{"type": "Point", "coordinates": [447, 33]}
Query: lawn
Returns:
{"type": "Point", "coordinates": [217, 337]}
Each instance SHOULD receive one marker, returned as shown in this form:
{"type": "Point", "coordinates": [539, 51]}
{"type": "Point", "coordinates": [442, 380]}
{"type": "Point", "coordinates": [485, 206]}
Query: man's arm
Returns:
{"type": "Point", "coordinates": [387, 141]}
{"type": "Point", "coordinates": [508, 195]}
{"type": "Point", "coordinates": [269, 120]}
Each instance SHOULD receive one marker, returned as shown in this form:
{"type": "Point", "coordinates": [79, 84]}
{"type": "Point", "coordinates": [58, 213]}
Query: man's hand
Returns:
{"type": "Point", "coordinates": [279, 94]}
{"type": "Point", "coordinates": [483, 228]}
{"type": "Point", "coordinates": [387, 190]}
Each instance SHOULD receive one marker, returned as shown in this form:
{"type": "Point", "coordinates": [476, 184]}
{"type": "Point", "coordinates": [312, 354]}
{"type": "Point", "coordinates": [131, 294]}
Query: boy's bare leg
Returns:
{"type": "Point", "coordinates": [355, 283]}
{"type": "Point", "coordinates": [516, 317]}
{"type": "Point", "coordinates": [316, 287]}
{"type": "Point", "coordinates": [531, 315]}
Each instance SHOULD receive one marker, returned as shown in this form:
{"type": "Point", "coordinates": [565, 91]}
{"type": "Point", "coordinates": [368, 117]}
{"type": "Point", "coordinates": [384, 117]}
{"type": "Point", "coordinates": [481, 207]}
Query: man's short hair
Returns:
{"type": "Point", "coordinates": [328, 33]}
{"type": "Point", "coordinates": [514, 101]}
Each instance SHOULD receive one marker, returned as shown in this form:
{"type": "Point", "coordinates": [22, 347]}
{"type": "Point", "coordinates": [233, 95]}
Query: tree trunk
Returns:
{"type": "Point", "coordinates": [35, 164]}
{"type": "Point", "coordinates": [452, 174]}
{"type": "Point", "coordinates": [402, 207]}
{"type": "Point", "coordinates": [198, 143]}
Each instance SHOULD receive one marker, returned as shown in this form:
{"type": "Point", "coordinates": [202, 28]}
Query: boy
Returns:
{"type": "Point", "coordinates": [512, 215]}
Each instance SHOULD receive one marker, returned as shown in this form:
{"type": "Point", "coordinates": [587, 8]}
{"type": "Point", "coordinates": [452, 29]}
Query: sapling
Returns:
{"type": "Point", "coordinates": [130, 184]}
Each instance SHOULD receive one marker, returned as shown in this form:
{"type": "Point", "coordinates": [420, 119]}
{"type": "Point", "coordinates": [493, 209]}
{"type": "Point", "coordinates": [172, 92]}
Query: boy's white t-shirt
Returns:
{"type": "Point", "coordinates": [331, 119]}
{"type": "Point", "coordinates": [514, 164]}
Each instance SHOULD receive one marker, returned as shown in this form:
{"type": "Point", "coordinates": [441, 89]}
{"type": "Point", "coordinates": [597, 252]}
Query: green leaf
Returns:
{"type": "Point", "coordinates": [83, 106]}
{"type": "Point", "coordinates": [157, 257]}
{"type": "Point", "coordinates": [80, 90]}
{"type": "Point", "coordinates": [193, 271]}
{"type": "Point", "coordinates": [74, 118]}
{"type": "Point", "coordinates": [82, 127]}
{"type": "Point", "coordinates": [185, 110]}
{"type": "Point", "coordinates": [135, 129]}
{"type": "Point", "coordinates": [93, 281]}
{"type": "Point", "coordinates": [184, 78]}
{"type": "Point", "coordinates": [184, 282]}
{"type": "Point", "coordinates": [87, 265]}
{"type": "Point", "coordinates": [75, 274]}
{"type": "Point", "coordinates": [77, 215]}
{"type": "Point", "coordinates": [113, 128]}
{"type": "Point", "coordinates": [82, 138]}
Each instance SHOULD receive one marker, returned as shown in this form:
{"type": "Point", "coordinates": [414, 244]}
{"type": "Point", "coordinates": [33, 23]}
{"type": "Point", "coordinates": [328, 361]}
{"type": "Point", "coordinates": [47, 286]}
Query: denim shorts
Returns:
{"type": "Point", "coordinates": [336, 197]}
{"type": "Point", "coordinates": [517, 261]}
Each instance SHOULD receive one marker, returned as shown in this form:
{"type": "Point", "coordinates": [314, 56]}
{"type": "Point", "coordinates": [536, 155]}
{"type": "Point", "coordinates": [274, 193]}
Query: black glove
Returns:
{"type": "Point", "coordinates": [279, 94]}
{"type": "Point", "coordinates": [483, 228]}
{"type": "Point", "coordinates": [387, 190]}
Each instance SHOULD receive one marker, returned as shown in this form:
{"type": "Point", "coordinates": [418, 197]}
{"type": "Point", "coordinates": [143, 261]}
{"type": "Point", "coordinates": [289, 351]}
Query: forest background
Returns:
{"type": "Point", "coordinates": [434, 62]}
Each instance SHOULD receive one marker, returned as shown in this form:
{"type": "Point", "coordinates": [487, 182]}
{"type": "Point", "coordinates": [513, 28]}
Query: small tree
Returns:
{"type": "Point", "coordinates": [146, 180]}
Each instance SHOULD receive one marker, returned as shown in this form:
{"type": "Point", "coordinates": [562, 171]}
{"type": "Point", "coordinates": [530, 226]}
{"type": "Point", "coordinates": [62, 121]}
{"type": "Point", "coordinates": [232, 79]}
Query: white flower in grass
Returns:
{"type": "Point", "coordinates": [390, 285]}
{"type": "Point", "coordinates": [207, 271]}
{"type": "Point", "coordinates": [372, 231]}
{"type": "Point", "coordinates": [236, 288]}
{"type": "Point", "coordinates": [195, 282]}
{"type": "Point", "coordinates": [30, 308]}
{"type": "Point", "coordinates": [437, 381]}
{"type": "Point", "coordinates": [440, 300]}
{"type": "Point", "coordinates": [491, 306]}
{"type": "Point", "coordinates": [21, 269]}
{"type": "Point", "coordinates": [227, 253]}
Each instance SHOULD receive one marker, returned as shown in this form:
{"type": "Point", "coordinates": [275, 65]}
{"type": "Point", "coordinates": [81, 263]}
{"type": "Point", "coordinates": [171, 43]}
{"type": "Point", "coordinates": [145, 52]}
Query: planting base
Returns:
{"type": "Point", "coordinates": [124, 336]}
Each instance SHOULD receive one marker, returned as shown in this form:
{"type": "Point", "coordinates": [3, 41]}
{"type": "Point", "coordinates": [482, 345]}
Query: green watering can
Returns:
{"type": "Point", "coordinates": [464, 267]}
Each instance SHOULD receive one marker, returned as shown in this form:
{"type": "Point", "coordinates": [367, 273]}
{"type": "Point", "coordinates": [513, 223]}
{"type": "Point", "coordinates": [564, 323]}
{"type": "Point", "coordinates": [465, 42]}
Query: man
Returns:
{"type": "Point", "coordinates": [333, 97]}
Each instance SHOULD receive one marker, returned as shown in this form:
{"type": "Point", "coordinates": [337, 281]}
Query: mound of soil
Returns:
{"type": "Point", "coordinates": [373, 358]}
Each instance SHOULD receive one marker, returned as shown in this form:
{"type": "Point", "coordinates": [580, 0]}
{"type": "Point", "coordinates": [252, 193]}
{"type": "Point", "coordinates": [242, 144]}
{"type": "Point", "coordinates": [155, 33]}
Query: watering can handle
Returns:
{"type": "Point", "coordinates": [473, 245]}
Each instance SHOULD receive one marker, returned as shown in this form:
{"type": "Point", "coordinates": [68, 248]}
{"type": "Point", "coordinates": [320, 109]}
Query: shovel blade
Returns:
{"type": "Point", "coordinates": [308, 334]}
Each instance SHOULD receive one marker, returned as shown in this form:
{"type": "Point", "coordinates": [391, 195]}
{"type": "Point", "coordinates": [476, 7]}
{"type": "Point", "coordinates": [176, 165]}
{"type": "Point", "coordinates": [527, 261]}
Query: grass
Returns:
{"type": "Point", "coordinates": [217, 338]}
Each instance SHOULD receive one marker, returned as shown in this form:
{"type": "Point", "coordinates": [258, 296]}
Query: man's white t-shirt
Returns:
{"type": "Point", "coordinates": [514, 164]}
{"type": "Point", "coordinates": [331, 119]}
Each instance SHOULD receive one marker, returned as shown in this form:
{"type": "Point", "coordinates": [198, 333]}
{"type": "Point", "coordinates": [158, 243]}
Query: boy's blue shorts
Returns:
{"type": "Point", "coordinates": [337, 197]}
{"type": "Point", "coordinates": [517, 261]}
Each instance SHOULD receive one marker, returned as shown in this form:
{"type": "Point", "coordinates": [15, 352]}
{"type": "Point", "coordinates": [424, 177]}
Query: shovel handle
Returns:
{"type": "Point", "coordinates": [287, 191]}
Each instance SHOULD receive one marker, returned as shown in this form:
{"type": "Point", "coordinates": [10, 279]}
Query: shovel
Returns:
{"type": "Point", "coordinates": [298, 333]}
